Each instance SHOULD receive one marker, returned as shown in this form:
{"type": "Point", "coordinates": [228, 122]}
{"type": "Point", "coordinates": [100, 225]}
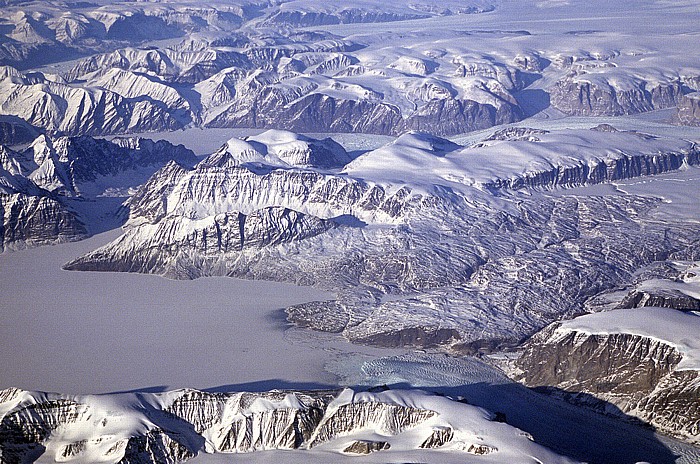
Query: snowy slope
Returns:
{"type": "Point", "coordinates": [176, 426]}
{"type": "Point", "coordinates": [461, 234]}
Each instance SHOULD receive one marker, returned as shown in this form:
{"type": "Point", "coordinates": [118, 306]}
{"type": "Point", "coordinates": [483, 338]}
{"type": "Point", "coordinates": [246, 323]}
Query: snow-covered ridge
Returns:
{"type": "Point", "coordinates": [178, 425]}
{"type": "Point", "coordinates": [46, 189]}
{"type": "Point", "coordinates": [276, 169]}
{"type": "Point", "coordinates": [115, 104]}
{"type": "Point", "coordinates": [665, 325]}
{"type": "Point", "coordinates": [567, 158]}
{"type": "Point", "coordinates": [644, 361]}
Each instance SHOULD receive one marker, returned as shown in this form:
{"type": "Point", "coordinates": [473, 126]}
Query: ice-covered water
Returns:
{"type": "Point", "coordinates": [88, 332]}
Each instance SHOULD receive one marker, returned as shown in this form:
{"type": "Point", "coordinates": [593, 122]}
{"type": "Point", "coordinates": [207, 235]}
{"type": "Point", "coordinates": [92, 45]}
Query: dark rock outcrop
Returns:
{"type": "Point", "coordinates": [634, 373]}
{"type": "Point", "coordinates": [577, 96]}
{"type": "Point", "coordinates": [366, 447]}
{"type": "Point", "coordinates": [688, 112]}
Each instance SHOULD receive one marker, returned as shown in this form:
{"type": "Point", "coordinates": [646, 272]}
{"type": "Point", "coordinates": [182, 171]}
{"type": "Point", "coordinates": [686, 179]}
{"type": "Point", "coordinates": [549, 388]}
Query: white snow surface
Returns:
{"type": "Point", "coordinates": [103, 332]}
{"type": "Point", "coordinates": [112, 419]}
{"type": "Point", "coordinates": [670, 326]}
{"type": "Point", "coordinates": [414, 160]}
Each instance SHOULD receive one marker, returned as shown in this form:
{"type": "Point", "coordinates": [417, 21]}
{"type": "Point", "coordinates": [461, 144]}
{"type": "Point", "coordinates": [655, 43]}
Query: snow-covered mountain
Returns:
{"type": "Point", "coordinates": [469, 246]}
{"type": "Point", "coordinates": [51, 31]}
{"type": "Point", "coordinates": [467, 234]}
{"type": "Point", "coordinates": [48, 187]}
{"type": "Point", "coordinates": [176, 426]}
{"type": "Point", "coordinates": [116, 102]}
{"type": "Point", "coordinates": [307, 67]}
{"type": "Point", "coordinates": [637, 359]}
{"type": "Point", "coordinates": [642, 360]}
{"type": "Point", "coordinates": [33, 216]}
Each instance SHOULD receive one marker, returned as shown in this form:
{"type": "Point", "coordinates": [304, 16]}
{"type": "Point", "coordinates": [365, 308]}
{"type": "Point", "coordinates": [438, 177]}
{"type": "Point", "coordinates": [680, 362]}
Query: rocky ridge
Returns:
{"type": "Point", "coordinates": [445, 248]}
{"type": "Point", "coordinates": [46, 189]}
{"type": "Point", "coordinates": [175, 426]}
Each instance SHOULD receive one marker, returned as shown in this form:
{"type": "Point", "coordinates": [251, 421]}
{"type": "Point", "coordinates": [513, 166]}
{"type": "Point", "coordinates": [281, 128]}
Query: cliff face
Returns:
{"type": "Point", "coordinates": [321, 113]}
{"type": "Point", "coordinates": [626, 374]}
{"type": "Point", "coordinates": [577, 96]}
{"type": "Point", "coordinates": [44, 187]}
{"type": "Point", "coordinates": [32, 220]}
{"type": "Point", "coordinates": [689, 110]}
{"type": "Point", "coordinates": [622, 167]}
{"type": "Point", "coordinates": [172, 427]}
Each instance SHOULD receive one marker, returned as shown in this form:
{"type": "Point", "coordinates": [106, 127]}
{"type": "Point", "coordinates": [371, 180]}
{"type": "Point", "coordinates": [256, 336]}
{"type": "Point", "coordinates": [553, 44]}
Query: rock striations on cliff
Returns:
{"type": "Point", "coordinates": [462, 238]}
{"type": "Point", "coordinates": [175, 426]}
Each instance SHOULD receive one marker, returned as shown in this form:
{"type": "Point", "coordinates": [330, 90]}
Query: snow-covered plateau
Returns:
{"type": "Point", "coordinates": [407, 231]}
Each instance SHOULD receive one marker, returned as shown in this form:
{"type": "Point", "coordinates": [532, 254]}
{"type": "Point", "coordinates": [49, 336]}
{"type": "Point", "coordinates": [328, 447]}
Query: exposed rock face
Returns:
{"type": "Point", "coordinates": [155, 446]}
{"type": "Point", "coordinates": [38, 183]}
{"type": "Point", "coordinates": [637, 374]}
{"type": "Point", "coordinates": [69, 165]}
{"type": "Point", "coordinates": [660, 299]}
{"type": "Point", "coordinates": [481, 450]}
{"type": "Point", "coordinates": [364, 239]}
{"type": "Point", "coordinates": [386, 419]}
{"type": "Point", "coordinates": [172, 427]}
{"type": "Point", "coordinates": [517, 134]}
{"type": "Point", "coordinates": [440, 437]}
{"type": "Point", "coordinates": [576, 95]}
{"type": "Point", "coordinates": [623, 167]}
{"type": "Point", "coordinates": [366, 447]}
{"type": "Point", "coordinates": [15, 131]}
{"type": "Point", "coordinates": [689, 110]}
{"type": "Point", "coordinates": [23, 430]}
{"type": "Point", "coordinates": [37, 219]}
{"type": "Point", "coordinates": [322, 113]}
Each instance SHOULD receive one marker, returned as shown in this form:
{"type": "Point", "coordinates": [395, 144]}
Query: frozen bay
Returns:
{"type": "Point", "coordinates": [90, 332]}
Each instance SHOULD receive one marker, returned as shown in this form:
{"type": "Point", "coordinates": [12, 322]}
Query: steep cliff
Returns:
{"type": "Point", "coordinates": [598, 95]}
{"type": "Point", "coordinates": [689, 110]}
{"type": "Point", "coordinates": [642, 362]}
{"type": "Point", "coordinates": [172, 427]}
